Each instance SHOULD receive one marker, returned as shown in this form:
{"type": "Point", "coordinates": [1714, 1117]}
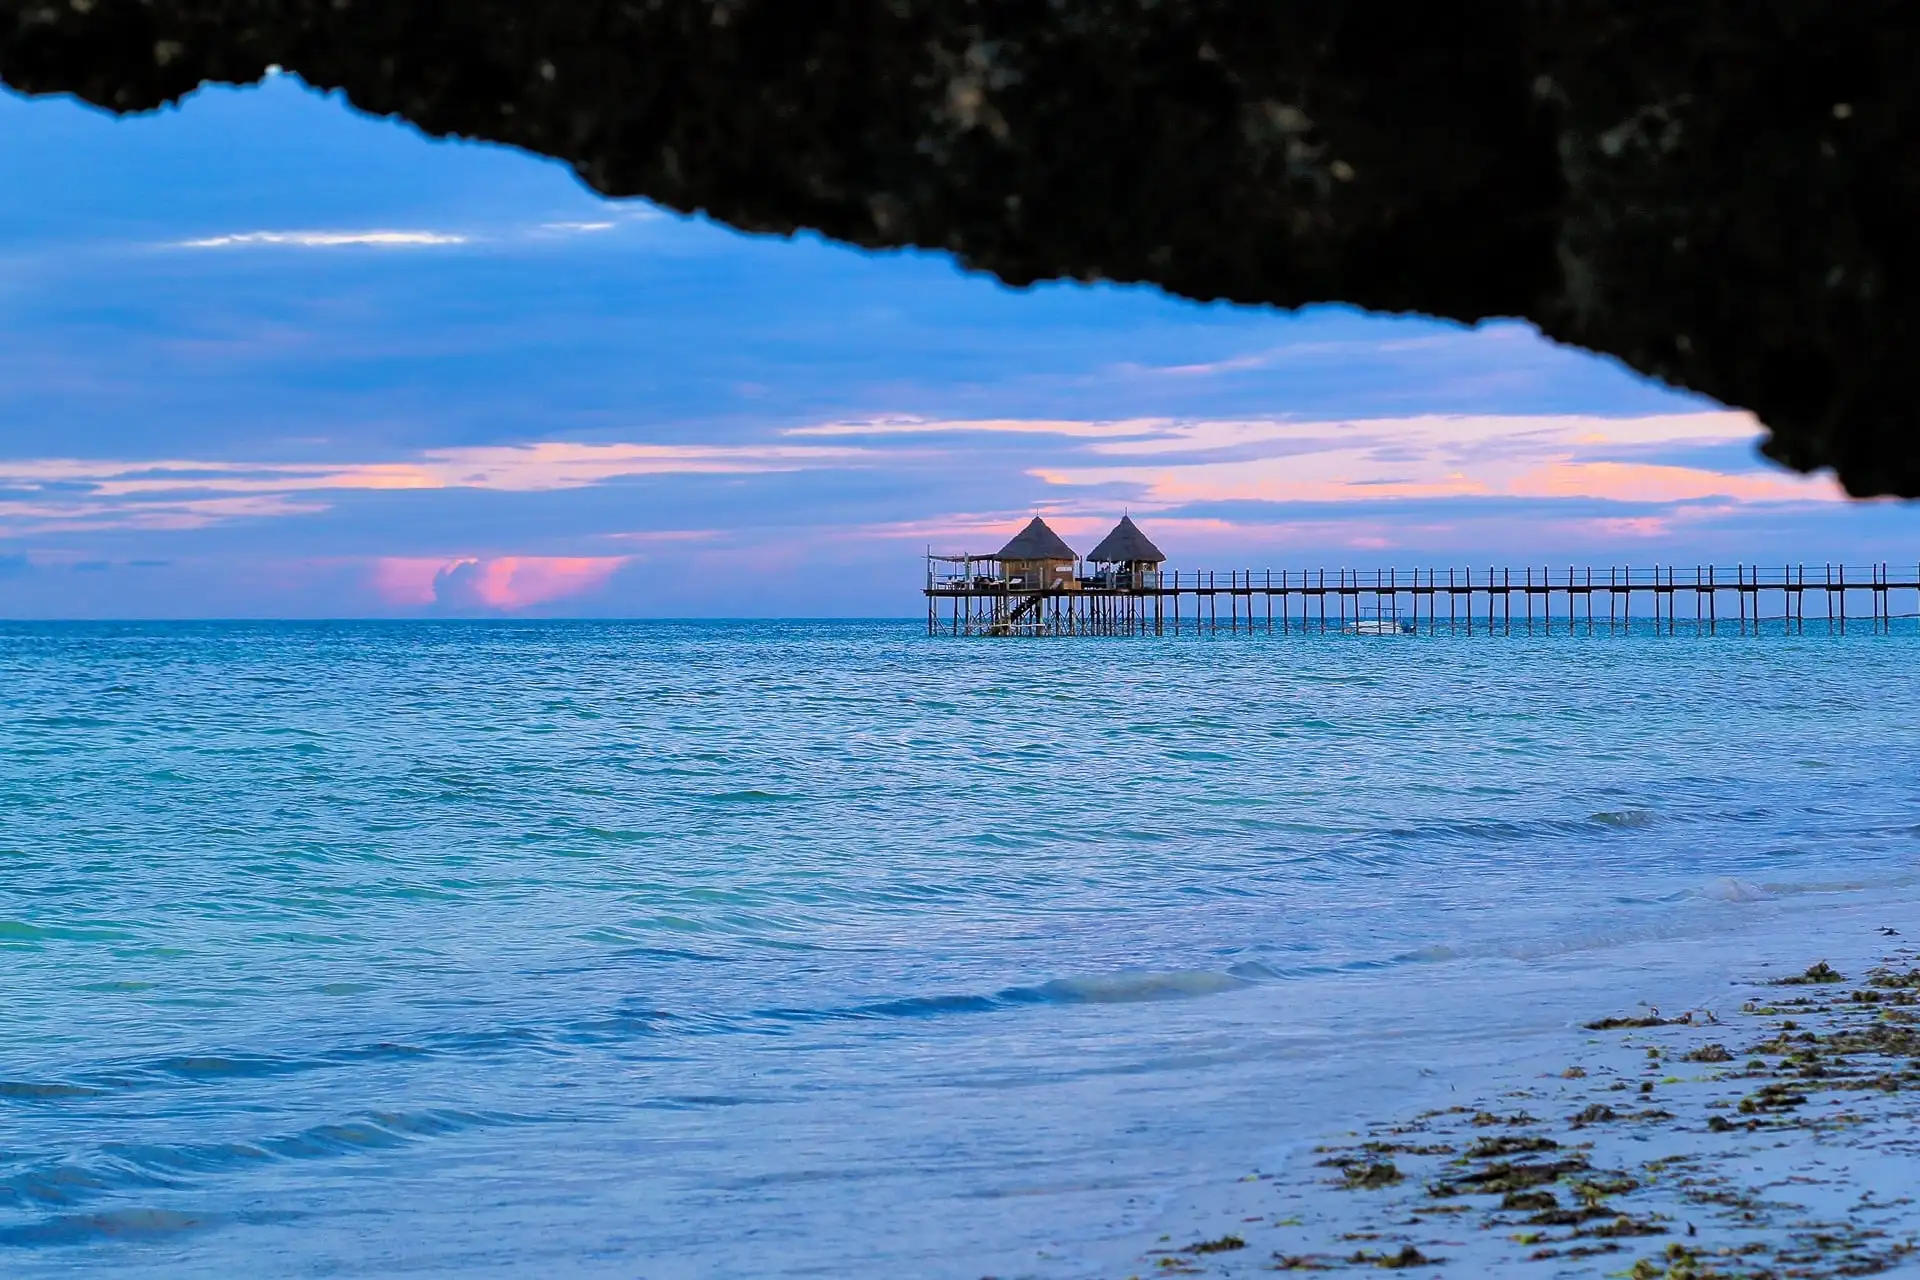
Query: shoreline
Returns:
{"type": "Point", "coordinates": [1769, 1134]}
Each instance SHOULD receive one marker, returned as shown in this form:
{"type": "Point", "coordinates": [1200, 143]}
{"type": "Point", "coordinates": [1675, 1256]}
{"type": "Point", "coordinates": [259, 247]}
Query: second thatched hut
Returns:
{"type": "Point", "coordinates": [1127, 558]}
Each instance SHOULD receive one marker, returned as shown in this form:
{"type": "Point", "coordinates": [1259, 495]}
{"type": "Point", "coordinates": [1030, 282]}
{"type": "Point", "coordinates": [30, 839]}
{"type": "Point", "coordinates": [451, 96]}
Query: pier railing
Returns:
{"type": "Point", "coordinates": [1491, 599]}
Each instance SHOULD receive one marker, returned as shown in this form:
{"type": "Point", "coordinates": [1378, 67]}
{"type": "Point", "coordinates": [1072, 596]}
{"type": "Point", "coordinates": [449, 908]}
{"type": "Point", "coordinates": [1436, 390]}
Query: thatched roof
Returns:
{"type": "Point", "coordinates": [1126, 545]}
{"type": "Point", "coordinates": [1036, 542]}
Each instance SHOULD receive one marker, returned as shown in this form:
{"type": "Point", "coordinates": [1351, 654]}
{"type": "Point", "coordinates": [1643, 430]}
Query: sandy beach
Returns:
{"type": "Point", "coordinates": [1767, 1133]}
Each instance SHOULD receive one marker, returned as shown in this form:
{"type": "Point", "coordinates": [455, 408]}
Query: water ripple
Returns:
{"type": "Point", "coordinates": [824, 924]}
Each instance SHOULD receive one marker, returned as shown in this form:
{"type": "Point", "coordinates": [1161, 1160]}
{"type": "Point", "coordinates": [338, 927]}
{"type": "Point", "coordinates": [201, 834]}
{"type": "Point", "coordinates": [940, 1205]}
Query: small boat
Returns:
{"type": "Point", "coordinates": [1382, 623]}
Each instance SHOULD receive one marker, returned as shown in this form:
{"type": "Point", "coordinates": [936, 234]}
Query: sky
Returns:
{"type": "Point", "coordinates": [264, 356]}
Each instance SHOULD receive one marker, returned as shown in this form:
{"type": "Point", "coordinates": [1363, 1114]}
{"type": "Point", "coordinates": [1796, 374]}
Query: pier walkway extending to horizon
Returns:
{"type": "Point", "coordinates": [963, 600]}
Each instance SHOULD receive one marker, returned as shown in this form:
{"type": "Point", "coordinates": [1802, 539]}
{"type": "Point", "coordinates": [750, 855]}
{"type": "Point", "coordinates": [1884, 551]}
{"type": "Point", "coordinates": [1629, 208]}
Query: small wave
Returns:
{"type": "Point", "coordinates": [932, 1006]}
{"type": "Point", "coordinates": [19, 931]}
{"type": "Point", "coordinates": [31, 1091]}
{"type": "Point", "coordinates": [1254, 971]}
{"type": "Point", "coordinates": [1115, 988]}
{"type": "Point", "coordinates": [1127, 988]}
{"type": "Point", "coordinates": [749, 796]}
{"type": "Point", "coordinates": [1783, 889]}
{"type": "Point", "coordinates": [65, 722]}
{"type": "Point", "coordinates": [203, 1069]}
{"type": "Point", "coordinates": [218, 1067]}
{"type": "Point", "coordinates": [1730, 889]}
{"type": "Point", "coordinates": [617, 835]}
{"type": "Point", "coordinates": [121, 1166]}
{"type": "Point", "coordinates": [997, 840]}
{"type": "Point", "coordinates": [660, 953]}
{"type": "Point", "coordinates": [696, 1102]}
{"type": "Point", "coordinates": [114, 1224]}
{"type": "Point", "coordinates": [1625, 819]}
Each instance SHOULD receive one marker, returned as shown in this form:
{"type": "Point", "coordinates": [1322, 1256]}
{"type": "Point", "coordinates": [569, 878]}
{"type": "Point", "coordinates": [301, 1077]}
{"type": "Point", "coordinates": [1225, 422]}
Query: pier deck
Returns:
{"type": "Point", "coordinates": [963, 601]}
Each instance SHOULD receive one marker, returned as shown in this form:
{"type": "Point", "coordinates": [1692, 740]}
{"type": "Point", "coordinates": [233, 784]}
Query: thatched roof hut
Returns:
{"type": "Point", "coordinates": [1127, 545]}
{"type": "Point", "coordinates": [1036, 558]}
{"type": "Point", "coordinates": [1036, 542]}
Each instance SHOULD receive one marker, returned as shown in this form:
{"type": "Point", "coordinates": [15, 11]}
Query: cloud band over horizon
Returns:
{"type": "Point", "coordinates": [1376, 485]}
{"type": "Point", "coordinates": [349, 370]}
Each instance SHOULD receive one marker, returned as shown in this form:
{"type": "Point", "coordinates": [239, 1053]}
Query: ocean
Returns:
{"type": "Point", "coordinates": [825, 949]}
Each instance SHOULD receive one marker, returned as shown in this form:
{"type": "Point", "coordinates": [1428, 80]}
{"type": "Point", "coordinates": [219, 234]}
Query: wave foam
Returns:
{"type": "Point", "coordinates": [1730, 889]}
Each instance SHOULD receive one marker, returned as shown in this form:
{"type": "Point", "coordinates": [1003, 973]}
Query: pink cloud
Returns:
{"type": "Point", "coordinates": [1430, 457]}
{"type": "Point", "coordinates": [1630, 526]}
{"type": "Point", "coordinates": [1652, 482]}
{"type": "Point", "coordinates": [499, 582]}
{"type": "Point", "coordinates": [406, 580]}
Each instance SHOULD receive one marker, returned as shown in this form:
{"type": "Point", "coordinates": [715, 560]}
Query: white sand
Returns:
{"type": "Point", "coordinates": [1813, 1188]}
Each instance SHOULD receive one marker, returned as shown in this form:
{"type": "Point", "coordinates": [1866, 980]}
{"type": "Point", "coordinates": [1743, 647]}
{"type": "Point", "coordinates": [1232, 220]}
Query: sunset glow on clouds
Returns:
{"type": "Point", "coordinates": [1429, 457]}
{"type": "Point", "coordinates": [1209, 489]}
{"type": "Point", "coordinates": [503, 582]}
{"type": "Point", "coordinates": [1274, 461]}
{"type": "Point", "coordinates": [345, 370]}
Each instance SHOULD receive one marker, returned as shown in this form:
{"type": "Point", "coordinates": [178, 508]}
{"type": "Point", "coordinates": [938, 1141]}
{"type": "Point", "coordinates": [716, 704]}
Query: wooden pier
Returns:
{"type": "Point", "coordinates": [976, 595]}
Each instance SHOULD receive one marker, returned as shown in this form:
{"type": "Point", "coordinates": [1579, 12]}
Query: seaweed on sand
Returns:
{"type": "Point", "coordinates": [1225, 1244]}
{"type": "Point", "coordinates": [1503, 1176]}
{"type": "Point", "coordinates": [1530, 1201]}
{"type": "Point", "coordinates": [1774, 1097]}
{"type": "Point", "coordinates": [1407, 1257]}
{"type": "Point", "coordinates": [1540, 1197]}
{"type": "Point", "coordinates": [1487, 1119]}
{"type": "Point", "coordinates": [1367, 1177]}
{"type": "Point", "coordinates": [1492, 1148]}
{"type": "Point", "coordinates": [1708, 1053]}
{"type": "Point", "coordinates": [1817, 974]}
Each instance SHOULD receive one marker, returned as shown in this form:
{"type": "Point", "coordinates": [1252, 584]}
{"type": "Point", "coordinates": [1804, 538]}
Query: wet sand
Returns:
{"type": "Point", "coordinates": [1771, 1135]}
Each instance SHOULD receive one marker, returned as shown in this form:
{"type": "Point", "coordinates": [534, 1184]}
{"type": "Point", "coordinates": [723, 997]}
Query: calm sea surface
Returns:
{"type": "Point", "coordinates": [830, 949]}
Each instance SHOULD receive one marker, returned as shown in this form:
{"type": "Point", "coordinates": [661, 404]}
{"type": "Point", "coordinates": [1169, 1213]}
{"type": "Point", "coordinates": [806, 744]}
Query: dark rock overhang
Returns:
{"type": "Point", "coordinates": [1723, 195]}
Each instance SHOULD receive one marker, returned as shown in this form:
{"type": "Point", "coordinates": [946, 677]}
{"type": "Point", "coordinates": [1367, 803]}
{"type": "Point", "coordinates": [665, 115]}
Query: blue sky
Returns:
{"type": "Point", "coordinates": [264, 356]}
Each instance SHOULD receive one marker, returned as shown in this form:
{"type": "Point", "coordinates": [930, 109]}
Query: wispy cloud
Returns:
{"type": "Point", "coordinates": [1213, 484]}
{"type": "Point", "coordinates": [1308, 350]}
{"type": "Point", "coordinates": [980, 530]}
{"type": "Point", "coordinates": [69, 513]}
{"type": "Point", "coordinates": [563, 465]}
{"type": "Point", "coordinates": [1499, 434]}
{"type": "Point", "coordinates": [1557, 456]}
{"type": "Point", "coordinates": [390, 238]}
{"type": "Point", "coordinates": [73, 493]}
{"type": "Point", "coordinates": [326, 240]}
{"type": "Point", "coordinates": [649, 536]}
{"type": "Point", "coordinates": [906, 426]}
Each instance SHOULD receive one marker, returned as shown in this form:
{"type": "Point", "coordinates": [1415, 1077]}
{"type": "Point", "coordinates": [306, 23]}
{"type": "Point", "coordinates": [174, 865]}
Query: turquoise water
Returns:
{"type": "Point", "coordinates": [789, 949]}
